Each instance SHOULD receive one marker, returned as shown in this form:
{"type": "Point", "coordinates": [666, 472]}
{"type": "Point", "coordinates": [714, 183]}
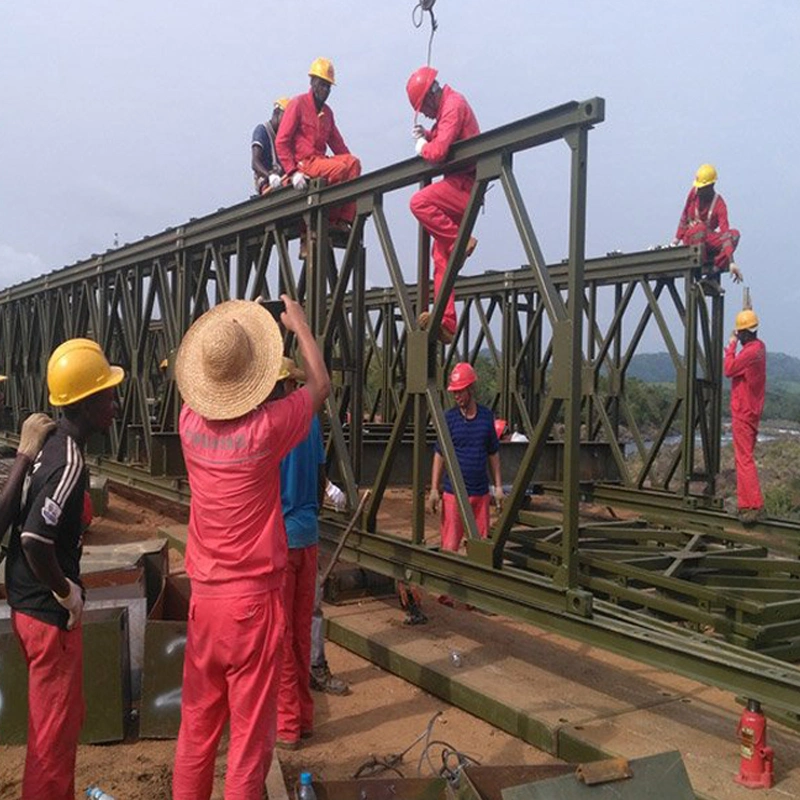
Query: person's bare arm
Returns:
{"type": "Point", "coordinates": [318, 382]}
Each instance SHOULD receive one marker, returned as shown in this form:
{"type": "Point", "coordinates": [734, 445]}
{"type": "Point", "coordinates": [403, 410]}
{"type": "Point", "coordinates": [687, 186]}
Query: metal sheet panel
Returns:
{"type": "Point", "coordinates": [660, 777]}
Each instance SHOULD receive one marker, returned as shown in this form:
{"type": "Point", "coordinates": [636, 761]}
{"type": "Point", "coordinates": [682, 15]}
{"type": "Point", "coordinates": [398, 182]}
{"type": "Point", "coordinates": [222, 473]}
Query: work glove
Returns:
{"type": "Point", "coordinates": [299, 180]}
{"type": "Point", "coordinates": [274, 181]}
{"type": "Point", "coordinates": [433, 500]}
{"type": "Point", "coordinates": [73, 602]}
{"type": "Point", "coordinates": [36, 428]}
{"type": "Point", "coordinates": [418, 132]}
{"type": "Point", "coordinates": [499, 497]}
{"type": "Point", "coordinates": [736, 273]}
{"type": "Point", "coordinates": [419, 145]}
{"type": "Point", "coordinates": [336, 496]}
{"type": "Point", "coordinates": [675, 243]}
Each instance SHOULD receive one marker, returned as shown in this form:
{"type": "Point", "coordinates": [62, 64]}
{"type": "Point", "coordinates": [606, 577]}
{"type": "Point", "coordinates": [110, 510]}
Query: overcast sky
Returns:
{"type": "Point", "coordinates": [129, 118]}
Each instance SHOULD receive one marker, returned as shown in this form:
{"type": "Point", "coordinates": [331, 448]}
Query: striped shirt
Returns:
{"type": "Point", "coordinates": [474, 440]}
{"type": "Point", "coordinates": [51, 509]}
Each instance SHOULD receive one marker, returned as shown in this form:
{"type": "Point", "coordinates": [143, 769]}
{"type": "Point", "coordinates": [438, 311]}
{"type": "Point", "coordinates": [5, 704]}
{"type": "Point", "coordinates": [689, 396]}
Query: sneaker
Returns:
{"type": "Point", "coordinates": [323, 681]}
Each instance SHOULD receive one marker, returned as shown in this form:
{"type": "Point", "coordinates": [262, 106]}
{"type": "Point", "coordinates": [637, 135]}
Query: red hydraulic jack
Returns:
{"type": "Point", "coordinates": [755, 769]}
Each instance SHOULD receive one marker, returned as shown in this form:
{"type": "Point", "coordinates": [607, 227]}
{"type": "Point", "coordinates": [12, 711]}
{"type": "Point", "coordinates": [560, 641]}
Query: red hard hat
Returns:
{"type": "Point", "coordinates": [418, 85]}
{"type": "Point", "coordinates": [500, 427]}
{"type": "Point", "coordinates": [463, 375]}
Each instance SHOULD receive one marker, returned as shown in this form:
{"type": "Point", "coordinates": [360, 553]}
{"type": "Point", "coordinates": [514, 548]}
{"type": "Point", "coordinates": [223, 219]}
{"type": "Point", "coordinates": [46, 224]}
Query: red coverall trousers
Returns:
{"type": "Point", "coordinates": [295, 704]}
{"type": "Point", "coordinates": [440, 208]}
{"type": "Point", "coordinates": [452, 527]}
{"type": "Point", "coordinates": [748, 490]}
{"type": "Point", "coordinates": [335, 169]}
{"type": "Point", "coordinates": [234, 650]}
{"type": "Point", "coordinates": [55, 706]}
{"type": "Point", "coordinates": [718, 248]}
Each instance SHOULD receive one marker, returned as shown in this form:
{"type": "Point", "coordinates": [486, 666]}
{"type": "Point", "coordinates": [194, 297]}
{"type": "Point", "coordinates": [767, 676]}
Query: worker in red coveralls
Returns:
{"type": "Point", "coordinates": [236, 552]}
{"type": "Point", "coordinates": [43, 567]}
{"type": "Point", "coordinates": [704, 222]}
{"type": "Point", "coordinates": [747, 370]}
{"type": "Point", "coordinates": [305, 133]}
{"type": "Point", "coordinates": [440, 207]}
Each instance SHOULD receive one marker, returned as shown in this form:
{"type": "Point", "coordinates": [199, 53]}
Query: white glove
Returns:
{"type": "Point", "coordinates": [499, 497]}
{"type": "Point", "coordinates": [418, 132]}
{"type": "Point", "coordinates": [419, 145]}
{"type": "Point", "coordinates": [336, 496]}
{"type": "Point", "coordinates": [274, 181]}
{"type": "Point", "coordinates": [736, 273]}
{"type": "Point", "coordinates": [299, 180]}
{"type": "Point", "coordinates": [73, 602]}
{"type": "Point", "coordinates": [433, 500]}
{"type": "Point", "coordinates": [35, 430]}
{"type": "Point", "coordinates": [675, 243]}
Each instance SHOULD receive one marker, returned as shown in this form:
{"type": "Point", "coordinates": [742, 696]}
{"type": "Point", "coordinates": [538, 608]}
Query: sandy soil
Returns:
{"type": "Point", "coordinates": [383, 715]}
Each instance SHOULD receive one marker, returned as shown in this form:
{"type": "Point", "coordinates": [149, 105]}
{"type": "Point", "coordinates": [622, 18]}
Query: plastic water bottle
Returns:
{"type": "Point", "coordinates": [306, 789]}
{"type": "Point", "coordinates": [96, 793]}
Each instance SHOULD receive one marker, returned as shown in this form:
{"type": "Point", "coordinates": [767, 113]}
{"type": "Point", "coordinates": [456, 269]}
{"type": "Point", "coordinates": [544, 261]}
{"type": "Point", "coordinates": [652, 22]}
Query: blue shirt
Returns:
{"type": "Point", "coordinates": [262, 136]}
{"type": "Point", "coordinates": [300, 487]}
{"type": "Point", "coordinates": [474, 440]}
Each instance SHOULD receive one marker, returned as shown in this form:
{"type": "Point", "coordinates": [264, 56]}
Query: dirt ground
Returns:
{"type": "Point", "coordinates": [382, 716]}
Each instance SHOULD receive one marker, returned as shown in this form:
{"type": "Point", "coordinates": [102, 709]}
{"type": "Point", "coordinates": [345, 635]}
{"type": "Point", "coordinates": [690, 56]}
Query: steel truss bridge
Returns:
{"type": "Point", "coordinates": [669, 580]}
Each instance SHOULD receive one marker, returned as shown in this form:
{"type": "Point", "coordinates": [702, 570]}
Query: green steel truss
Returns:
{"type": "Point", "coordinates": [560, 337]}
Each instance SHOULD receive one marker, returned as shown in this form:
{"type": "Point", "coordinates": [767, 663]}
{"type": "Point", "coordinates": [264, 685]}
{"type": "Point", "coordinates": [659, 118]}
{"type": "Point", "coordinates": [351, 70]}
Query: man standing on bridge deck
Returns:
{"type": "Point", "coordinates": [267, 169]}
{"type": "Point", "coordinates": [43, 567]}
{"type": "Point", "coordinates": [440, 207]}
{"type": "Point", "coordinates": [236, 553]}
{"type": "Point", "coordinates": [704, 222]}
{"type": "Point", "coordinates": [747, 370]}
{"type": "Point", "coordinates": [475, 441]}
{"type": "Point", "coordinates": [307, 130]}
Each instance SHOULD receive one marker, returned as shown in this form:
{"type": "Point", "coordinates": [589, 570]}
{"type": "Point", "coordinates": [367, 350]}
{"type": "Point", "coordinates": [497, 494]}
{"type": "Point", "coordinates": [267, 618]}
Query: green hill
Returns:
{"type": "Point", "coordinates": [783, 371]}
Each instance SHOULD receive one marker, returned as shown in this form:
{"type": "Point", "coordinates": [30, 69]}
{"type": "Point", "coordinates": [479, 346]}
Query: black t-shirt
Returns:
{"type": "Point", "coordinates": [52, 503]}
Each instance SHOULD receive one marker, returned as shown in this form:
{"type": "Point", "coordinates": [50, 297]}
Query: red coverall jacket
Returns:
{"type": "Point", "coordinates": [748, 373]}
{"type": "Point", "coordinates": [454, 122]}
{"type": "Point", "coordinates": [692, 211]}
{"type": "Point", "coordinates": [304, 133]}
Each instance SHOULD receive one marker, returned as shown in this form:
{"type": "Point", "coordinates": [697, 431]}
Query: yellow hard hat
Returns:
{"type": "Point", "coordinates": [77, 369]}
{"type": "Point", "coordinates": [706, 175]}
{"type": "Point", "coordinates": [282, 102]}
{"type": "Point", "coordinates": [290, 370]}
{"type": "Point", "coordinates": [322, 68]}
{"type": "Point", "coordinates": [746, 320]}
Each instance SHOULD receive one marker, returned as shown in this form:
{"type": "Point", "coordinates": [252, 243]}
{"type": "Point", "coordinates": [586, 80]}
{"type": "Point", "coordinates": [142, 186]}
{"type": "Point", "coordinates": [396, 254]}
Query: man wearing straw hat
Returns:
{"type": "Point", "coordinates": [236, 553]}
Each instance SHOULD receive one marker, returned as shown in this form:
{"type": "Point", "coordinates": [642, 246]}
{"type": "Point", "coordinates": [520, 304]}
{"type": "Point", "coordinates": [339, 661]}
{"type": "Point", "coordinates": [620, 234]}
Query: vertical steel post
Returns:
{"type": "Point", "coordinates": [577, 141]}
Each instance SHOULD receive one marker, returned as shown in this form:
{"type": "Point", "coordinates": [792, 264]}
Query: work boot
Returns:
{"type": "Point", "coordinates": [750, 516]}
{"type": "Point", "coordinates": [323, 681]}
{"type": "Point", "coordinates": [471, 245]}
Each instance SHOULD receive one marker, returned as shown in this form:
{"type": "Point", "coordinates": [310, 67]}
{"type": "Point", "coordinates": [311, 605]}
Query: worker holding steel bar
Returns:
{"type": "Point", "coordinates": [236, 552]}
{"type": "Point", "coordinates": [43, 568]}
{"type": "Point", "coordinates": [441, 206]}
{"type": "Point", "coordinates": [704, 222]}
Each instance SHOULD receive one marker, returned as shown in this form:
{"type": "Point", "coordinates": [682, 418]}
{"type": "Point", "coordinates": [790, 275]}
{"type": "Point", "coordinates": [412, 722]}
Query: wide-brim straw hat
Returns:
{"type": "Point", "coordinates": [229, 360]}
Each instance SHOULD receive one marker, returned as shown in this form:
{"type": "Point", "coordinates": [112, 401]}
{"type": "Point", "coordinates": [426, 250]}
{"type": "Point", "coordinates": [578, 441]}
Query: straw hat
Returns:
{"type": "Point", "coordinates": [290, 370]}
{"type": "Point", "coordinates": [229, 360]}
